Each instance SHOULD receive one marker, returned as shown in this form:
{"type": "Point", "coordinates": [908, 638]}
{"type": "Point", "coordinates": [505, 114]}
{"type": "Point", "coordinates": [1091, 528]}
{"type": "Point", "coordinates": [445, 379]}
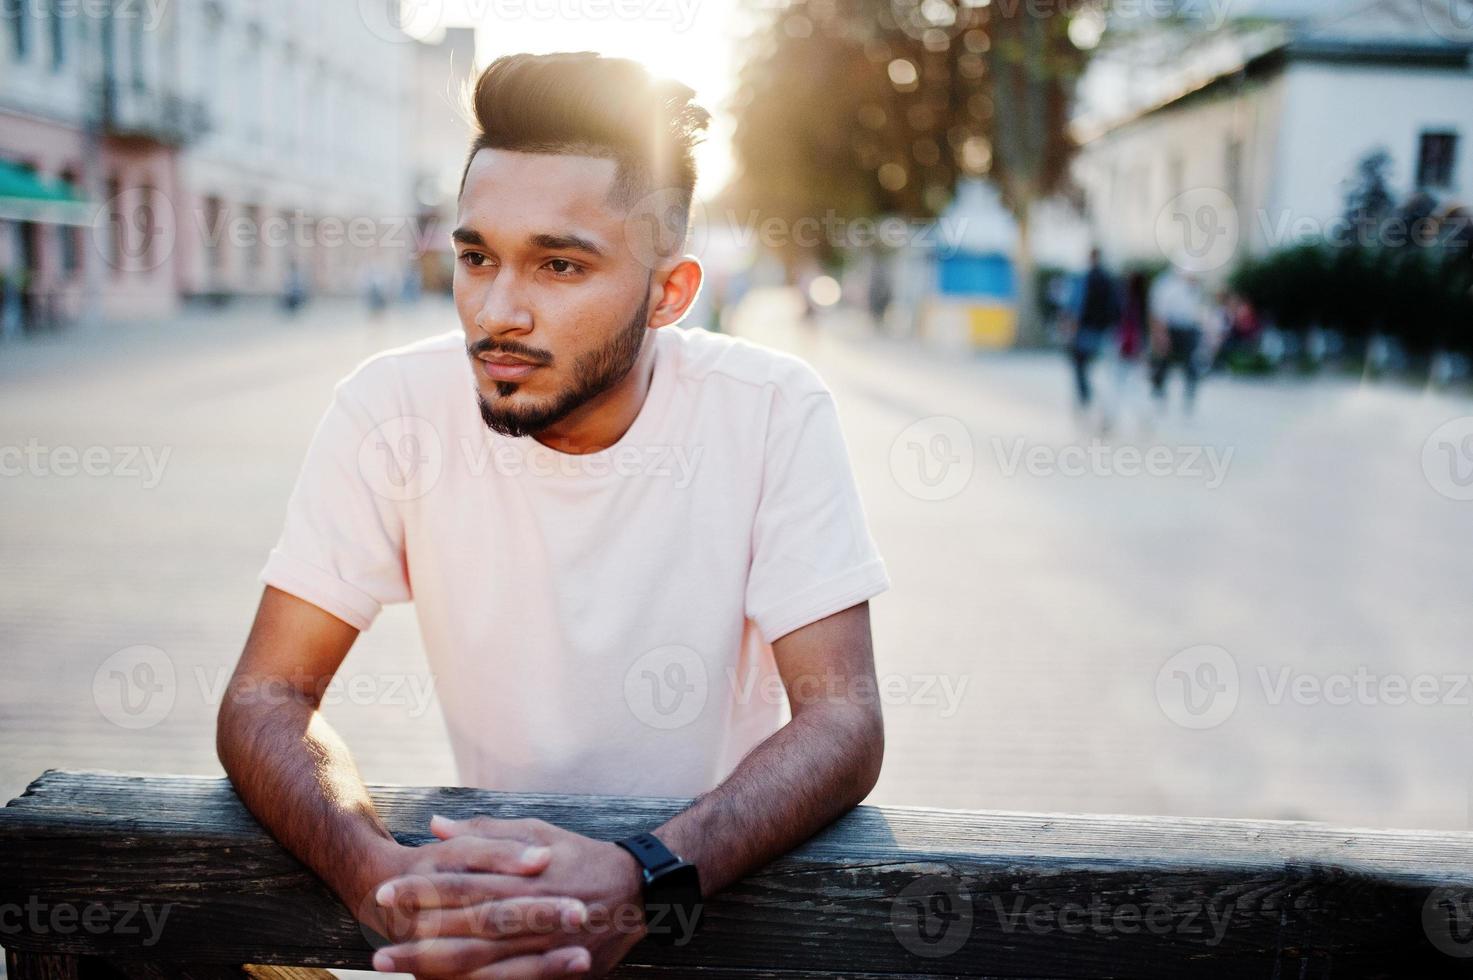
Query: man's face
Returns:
{"type": "Point", "coordinates": [554, 304]}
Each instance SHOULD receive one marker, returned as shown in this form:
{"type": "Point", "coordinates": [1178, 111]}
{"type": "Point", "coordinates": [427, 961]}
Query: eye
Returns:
{"type": "Point", "coordinates": [564, 268]}
{"type": "Point", "coordinates": [473, 259]}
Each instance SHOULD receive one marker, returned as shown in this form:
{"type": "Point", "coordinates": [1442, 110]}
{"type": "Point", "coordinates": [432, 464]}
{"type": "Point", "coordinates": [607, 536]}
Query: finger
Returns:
{"type": "Point", "coordinates": [503, 855]}
{"type": "Point", "coordinates": [568, 961]}
{"type": "Point", "coordinates": [456, 956]}
{"type": "Point", "coordinates": [521, 916]}
{"type": "Point", "coordinates": [449, 889]}
{"type": "Point", "coordinates": [530, 830]}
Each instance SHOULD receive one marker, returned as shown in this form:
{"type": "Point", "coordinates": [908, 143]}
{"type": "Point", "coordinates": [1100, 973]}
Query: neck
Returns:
{"type": "Point", "coordinates": [602, 421]}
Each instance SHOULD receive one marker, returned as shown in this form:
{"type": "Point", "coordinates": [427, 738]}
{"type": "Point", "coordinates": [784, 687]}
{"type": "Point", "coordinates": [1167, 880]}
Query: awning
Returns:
{"type": "Point", "coordinates": [26, 196]}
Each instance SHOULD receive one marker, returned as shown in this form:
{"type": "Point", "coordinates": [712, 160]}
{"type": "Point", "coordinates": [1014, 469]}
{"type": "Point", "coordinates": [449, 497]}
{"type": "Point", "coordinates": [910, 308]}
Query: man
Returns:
{"type": "Point", "coordinates": [1093, 314]}
{"type": "Point", "coordinates": [618, 534]}
{"type": "Point", "coordinates": [1178, 313]}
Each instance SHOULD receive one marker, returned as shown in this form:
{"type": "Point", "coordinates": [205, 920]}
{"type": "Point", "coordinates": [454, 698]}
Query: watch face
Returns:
{"type": "Point", "coordinates": [672, 906]}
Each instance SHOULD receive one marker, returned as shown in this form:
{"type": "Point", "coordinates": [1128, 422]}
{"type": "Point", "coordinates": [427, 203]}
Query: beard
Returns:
{"type": "Point", "coordinates": [594, 372]}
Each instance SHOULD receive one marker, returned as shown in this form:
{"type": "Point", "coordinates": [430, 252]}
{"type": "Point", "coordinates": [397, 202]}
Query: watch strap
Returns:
{"type": "Point", "coordinates": [651, 854]}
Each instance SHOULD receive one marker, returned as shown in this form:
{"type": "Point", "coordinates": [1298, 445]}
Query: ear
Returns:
{"type": "Point", "coordinates": [676, 287]}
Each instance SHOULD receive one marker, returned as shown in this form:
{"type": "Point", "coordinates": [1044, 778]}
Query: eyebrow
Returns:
{"type": "Point", "coordinates": [563, 242]}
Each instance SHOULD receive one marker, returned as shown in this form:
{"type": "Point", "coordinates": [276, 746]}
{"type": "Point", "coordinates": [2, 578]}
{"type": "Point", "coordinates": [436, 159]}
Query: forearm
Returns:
{"type": "Point", "coordinates": [296, 776]}
{"type": "Point", "coordinates": [807, 774]}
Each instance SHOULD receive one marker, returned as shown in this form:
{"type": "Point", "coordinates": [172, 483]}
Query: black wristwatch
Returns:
{"type": "Point", "coordinates": [672, 891]}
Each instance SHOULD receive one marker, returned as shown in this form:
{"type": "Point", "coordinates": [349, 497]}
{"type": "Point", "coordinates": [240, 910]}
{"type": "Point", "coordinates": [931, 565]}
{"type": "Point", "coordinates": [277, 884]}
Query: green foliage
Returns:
{"type": "Point", "coordinates": [866, 108]}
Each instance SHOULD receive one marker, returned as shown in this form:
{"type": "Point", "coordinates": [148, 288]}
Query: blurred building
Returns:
{"type": "Point", "coordinates": [441, 132]}
{"type": "Point", "coordinates": [1256, 133]}
{"type": "Point", "coordinates": [222, 146]}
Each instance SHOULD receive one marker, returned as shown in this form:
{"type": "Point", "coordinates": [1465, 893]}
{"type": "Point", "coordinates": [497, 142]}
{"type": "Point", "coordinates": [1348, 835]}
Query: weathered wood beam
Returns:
{"type": "Point", "coordinates": [883, 892]}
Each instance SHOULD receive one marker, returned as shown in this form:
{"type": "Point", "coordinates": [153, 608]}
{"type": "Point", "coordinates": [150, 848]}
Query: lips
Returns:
{"type": "Point", "coordinates": [502, 367]}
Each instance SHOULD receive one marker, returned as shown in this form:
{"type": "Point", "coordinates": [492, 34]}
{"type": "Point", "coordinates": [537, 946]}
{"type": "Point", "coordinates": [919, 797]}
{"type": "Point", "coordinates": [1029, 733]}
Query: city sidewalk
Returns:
{"type": "Point", "coordinates": [1045, 590]}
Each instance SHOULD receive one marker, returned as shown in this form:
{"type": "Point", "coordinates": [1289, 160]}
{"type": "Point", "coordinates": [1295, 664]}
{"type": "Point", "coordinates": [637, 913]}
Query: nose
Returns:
{"type": "Point", "coordinates": [503, 309]}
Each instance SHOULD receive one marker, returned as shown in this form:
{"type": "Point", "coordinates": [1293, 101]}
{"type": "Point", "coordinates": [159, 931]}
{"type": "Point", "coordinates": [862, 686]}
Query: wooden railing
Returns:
{"type": "Point", "coordinates": [149, 877]}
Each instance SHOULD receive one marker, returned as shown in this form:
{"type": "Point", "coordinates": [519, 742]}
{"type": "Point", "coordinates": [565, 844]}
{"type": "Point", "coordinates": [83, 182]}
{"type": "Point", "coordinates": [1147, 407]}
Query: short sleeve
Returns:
{"type": "Point", "coordinates": [812, 553]}
{"type": "Point", "coordinates": [342, 546]}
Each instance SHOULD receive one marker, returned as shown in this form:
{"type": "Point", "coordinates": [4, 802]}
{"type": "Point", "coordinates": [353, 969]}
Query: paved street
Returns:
{"type": "Point", "coordinates": [1286, 546]}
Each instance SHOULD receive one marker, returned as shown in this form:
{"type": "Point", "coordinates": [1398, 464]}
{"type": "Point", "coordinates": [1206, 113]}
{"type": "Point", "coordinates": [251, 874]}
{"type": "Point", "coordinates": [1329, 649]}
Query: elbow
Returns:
{"type": "Point", "coordinates": [867, 736]}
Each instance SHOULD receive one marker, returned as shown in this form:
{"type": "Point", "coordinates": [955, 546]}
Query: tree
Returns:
{"type": "Point", "coordinates": [873, 107]}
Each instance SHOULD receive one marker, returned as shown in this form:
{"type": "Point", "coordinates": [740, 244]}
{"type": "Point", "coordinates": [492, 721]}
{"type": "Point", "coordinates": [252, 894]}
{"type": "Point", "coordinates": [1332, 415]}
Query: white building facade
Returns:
{"type": "Point", "coordinates": [1261, 157]}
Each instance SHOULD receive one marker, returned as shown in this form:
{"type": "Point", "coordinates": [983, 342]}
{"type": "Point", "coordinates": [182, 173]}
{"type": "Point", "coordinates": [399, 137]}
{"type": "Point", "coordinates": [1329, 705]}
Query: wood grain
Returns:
{"type": "Point", "coordinates": [882, 892]}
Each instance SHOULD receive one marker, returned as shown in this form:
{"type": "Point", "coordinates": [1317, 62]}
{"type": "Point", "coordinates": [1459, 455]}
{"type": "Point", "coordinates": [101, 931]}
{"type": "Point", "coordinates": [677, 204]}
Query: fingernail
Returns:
{"type": "Point", "coordinates": [383, 962]}
{"type": "Point", "coordinates": [444, 821]}
{"type": "Point", "coordinates": [577, 961]}
{"type": "Point", "coordinates": [534, 854]}
{"type": "Point", "coordinates": [385, 894]}
{"type": "Point", "coordinates": [575, 915]}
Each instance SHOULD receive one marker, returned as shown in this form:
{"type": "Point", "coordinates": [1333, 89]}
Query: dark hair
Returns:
{"type": "Point", "coordinates": [585, 104]}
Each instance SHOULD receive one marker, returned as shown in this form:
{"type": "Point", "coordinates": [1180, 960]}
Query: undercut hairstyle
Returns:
{"type": "Point", "coordinates": [585, 104]}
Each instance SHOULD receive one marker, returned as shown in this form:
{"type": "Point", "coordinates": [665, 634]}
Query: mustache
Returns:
{"type": "Point", "coordinates": [488, 346]}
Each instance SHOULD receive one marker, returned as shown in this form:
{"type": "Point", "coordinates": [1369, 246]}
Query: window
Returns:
{"type": "Point", "coordinates": [58, 35]}
{"type": "Point", "coordinates": [1233, 166]}
{"type": "Point", "coordinates": [19, 15]}
{"type": "Point", "coordinates": [70, 237]}
{"type": "Point", "coordinates": [1437, 160]}
{"type": "Point", "coordinates": [115, 243]}
{"type": "Point", "coordinates": [146, 222]}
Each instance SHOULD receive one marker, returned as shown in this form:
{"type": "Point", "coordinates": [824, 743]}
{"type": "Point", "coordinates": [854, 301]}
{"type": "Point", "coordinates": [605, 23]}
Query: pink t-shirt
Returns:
{"type": "Point", "coordinates": [598, 623]}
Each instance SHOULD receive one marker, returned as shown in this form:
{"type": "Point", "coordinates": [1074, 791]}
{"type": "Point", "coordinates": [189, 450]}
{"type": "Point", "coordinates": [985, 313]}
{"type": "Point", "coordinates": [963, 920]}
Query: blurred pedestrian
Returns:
{"type": "Point", "coordinates": [1243, 329]}
{"type": "Point", "coordinates": [1093, 314]}
{"type": "Point", "coordinates": [375, 291]}
{"type": "Point", "coordinates": [1178, 314]}
{"type": "Point", "coordinates": [295, 293]}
